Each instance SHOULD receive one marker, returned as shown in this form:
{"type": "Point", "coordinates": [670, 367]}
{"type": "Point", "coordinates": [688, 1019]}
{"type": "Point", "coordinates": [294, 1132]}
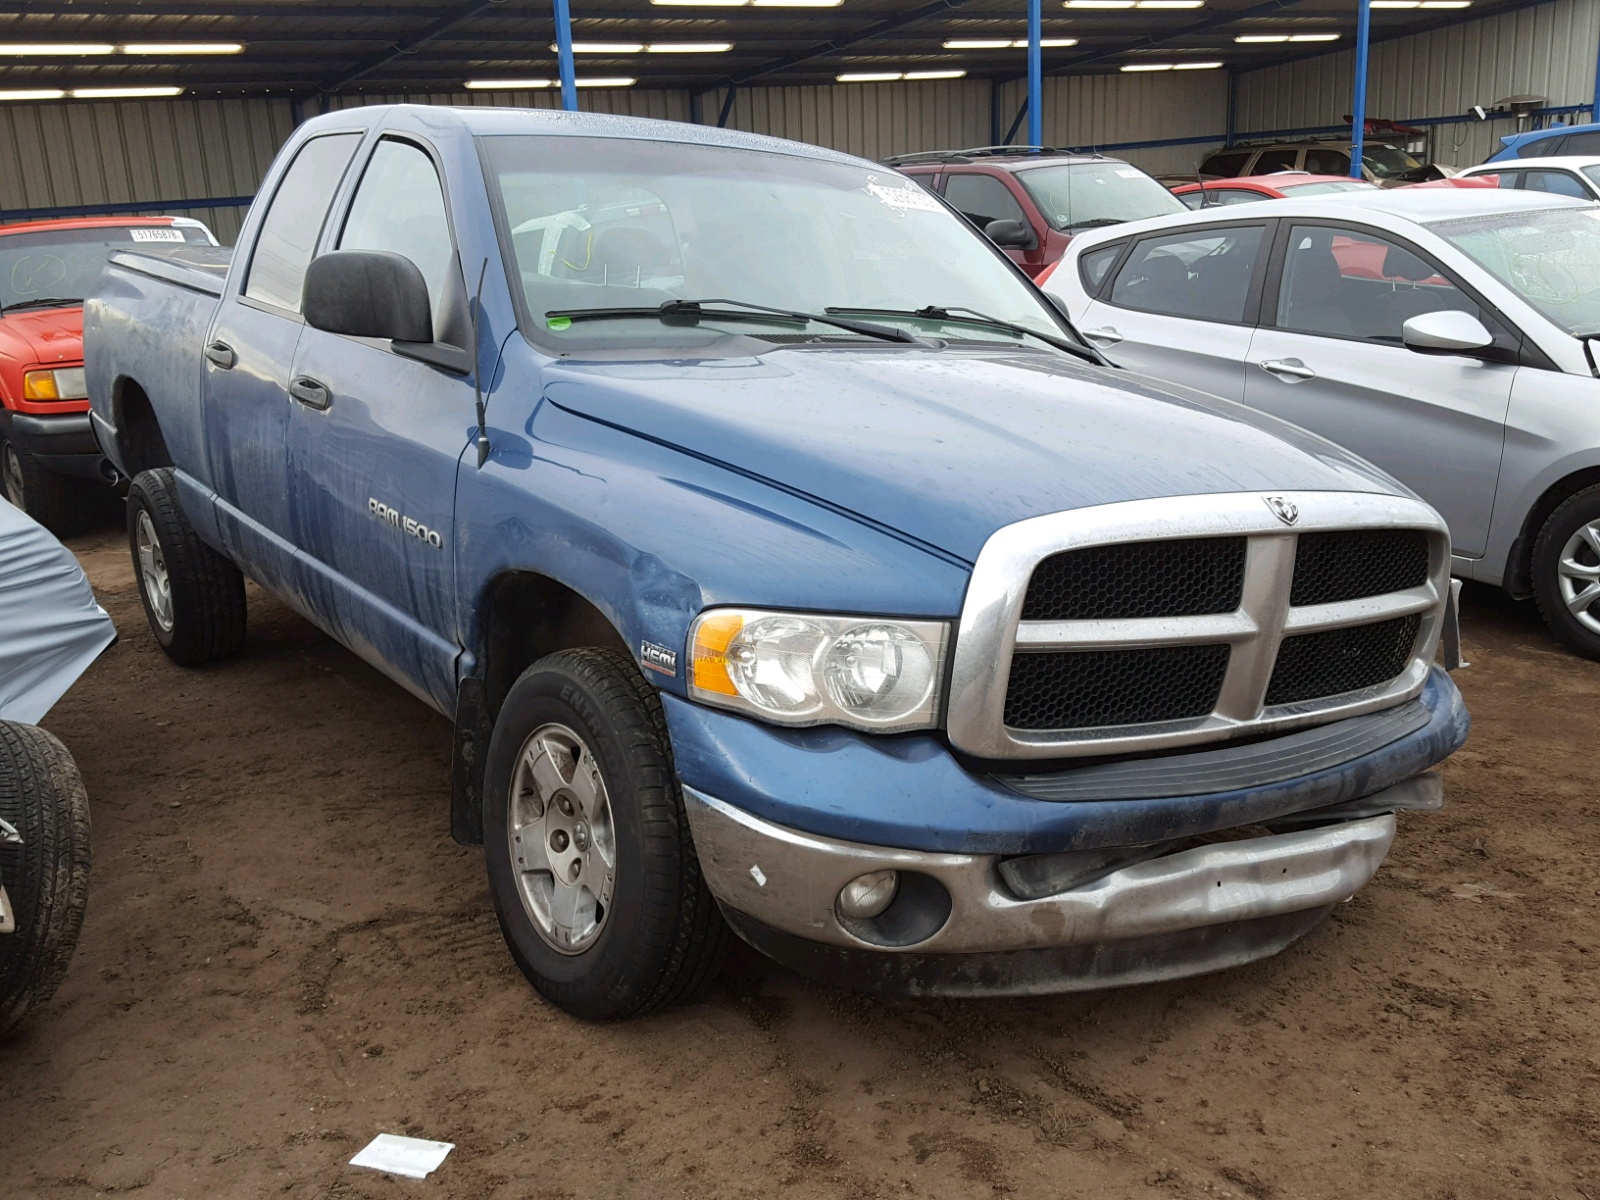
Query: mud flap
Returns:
{"type": "Point", "coordinates": [467, 761]}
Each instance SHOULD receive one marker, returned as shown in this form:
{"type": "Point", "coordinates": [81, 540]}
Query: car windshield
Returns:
{"type": "Point", "coordinates": [1325, 186]}
{"type": "Point", "coordinates": [1386, 162]}
{"type": "Point", "coordinates": [1078, 195]}
{"type": "Point", "coordinates": [610, 223]}
{"type": "Point", "coordinates": [1551, 258]}
{"type": "Point", "coordinates": [45, 267]}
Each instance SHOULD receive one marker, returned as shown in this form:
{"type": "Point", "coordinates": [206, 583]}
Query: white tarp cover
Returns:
{"type": "Point", "coordinates": [51, 629]}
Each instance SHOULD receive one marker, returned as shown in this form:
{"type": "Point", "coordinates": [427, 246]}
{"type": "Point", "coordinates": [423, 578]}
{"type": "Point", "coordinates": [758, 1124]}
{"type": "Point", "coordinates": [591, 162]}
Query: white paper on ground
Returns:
{"type": "Point", "coordinates": [414, 1158]}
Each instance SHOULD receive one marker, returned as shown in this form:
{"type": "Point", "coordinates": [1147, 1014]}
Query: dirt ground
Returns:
{"type": "Point", "coordinates": [285, 955]}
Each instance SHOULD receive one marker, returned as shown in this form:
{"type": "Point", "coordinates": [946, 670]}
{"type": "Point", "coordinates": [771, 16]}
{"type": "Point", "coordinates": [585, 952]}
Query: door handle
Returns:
{"type": "Point", "coordinates": [309, 392]}
{"type": "Point", "coordinates": [1106, 334]}
{"type": "Point", "coordinates": [220, 354]}
{"type": "Point", "coordinates": [1287, 369]}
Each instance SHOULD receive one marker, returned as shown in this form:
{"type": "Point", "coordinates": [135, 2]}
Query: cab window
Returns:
{"type": "Point", "coordinates": [1185, 275]}
{"type": "Point", "coordinates": [399, 207]}
{"type": "Point", "coordinates": [292, 225]}
{"type": "Point", "coordinates": [982, 199]}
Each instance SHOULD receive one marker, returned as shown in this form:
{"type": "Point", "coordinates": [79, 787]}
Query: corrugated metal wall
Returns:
{"type": "Point", "coordinates": [1546, 51]}
{"type": "Point", "coordinates": [873, 120]}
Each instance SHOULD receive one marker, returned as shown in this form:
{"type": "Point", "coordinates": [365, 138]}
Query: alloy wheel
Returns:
{"type": "Point", "coordinates": [153, 576]}
{"type": "Point", "coordinates": [15, 490]}
{"type": "Point", "coordinates": [1578, 573]}
{"type": "Point", "coordinates": [563, 841]}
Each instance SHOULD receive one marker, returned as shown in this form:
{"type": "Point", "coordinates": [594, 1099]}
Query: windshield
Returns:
{"type": "Point", "coordinates": [598, 223]}
{"type": "Point", "coordinates": [1075, 195]}
{"type": "Point", "coordinates": [51, 265]}
{"type": "Point", "coordinates": [1551, 258]}
{"type": "Point", "coordinates": [1325, 186]}
{"type": "Point", "coordinates": [1385, 162]}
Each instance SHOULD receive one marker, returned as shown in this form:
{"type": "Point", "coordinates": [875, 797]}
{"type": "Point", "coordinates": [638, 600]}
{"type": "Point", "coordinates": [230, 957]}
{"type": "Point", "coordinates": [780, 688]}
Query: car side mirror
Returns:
{"type": "Point", "coordinates": [1010, 235]}
{"type": "Point", "coordinates": [1448, 332]}
{"type": "Point", "coordinates": [367, 293]}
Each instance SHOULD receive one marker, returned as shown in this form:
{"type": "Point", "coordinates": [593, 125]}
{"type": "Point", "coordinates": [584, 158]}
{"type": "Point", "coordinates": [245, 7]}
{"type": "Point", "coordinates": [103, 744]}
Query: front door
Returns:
{"type": "Point", "coordinates": [984, 198]}
{"type": "Point", "coordinates": [1328, 356]}
{"type": "Point", "coordinates": [374, 443]}
{"type": "Point", "coordinates": [1180, 307]}
{"type": "Point", "coordinates": [247, 357]}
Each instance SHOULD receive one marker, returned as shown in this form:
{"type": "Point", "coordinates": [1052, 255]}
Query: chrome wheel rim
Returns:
{"type": "Point", "coordinates": [13, 480]}
{"type": "Point", "coordinates": [563, 841]}
{"type": "Point", "coordinates": [1578, 573]}
{"type": "Point", "coordinates": [153, 578]}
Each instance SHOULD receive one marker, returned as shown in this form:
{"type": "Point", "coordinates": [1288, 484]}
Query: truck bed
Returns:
{"type": "Point", "coordinates": [200, 268]}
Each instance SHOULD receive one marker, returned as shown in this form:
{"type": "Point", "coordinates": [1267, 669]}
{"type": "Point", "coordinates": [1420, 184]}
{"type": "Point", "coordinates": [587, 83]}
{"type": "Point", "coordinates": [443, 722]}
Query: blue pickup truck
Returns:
{"type": "Point", "coordinates": [785, 561]}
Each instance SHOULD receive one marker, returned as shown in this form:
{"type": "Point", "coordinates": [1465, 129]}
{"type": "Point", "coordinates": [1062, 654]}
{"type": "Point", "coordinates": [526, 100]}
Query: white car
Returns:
{"type": "Point", "coordinates": [1445, 334]}
{"type": "Point", "coordinates": [1578, 177]}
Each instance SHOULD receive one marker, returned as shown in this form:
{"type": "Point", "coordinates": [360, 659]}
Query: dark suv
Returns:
{"type": "Point", "coordinates": [1030, 200]}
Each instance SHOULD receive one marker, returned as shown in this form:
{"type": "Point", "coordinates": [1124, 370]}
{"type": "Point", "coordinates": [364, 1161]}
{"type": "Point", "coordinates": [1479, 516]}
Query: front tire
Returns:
{"type": "Point", "coordinates": [193, 597]}
{"type": "Point", "coordinates": [591, 865]}
{"type": "Point", "coordinates": [1566, 572]}
{"type": "Point", "coordinates": [47, 877]}
{"type": "Point", "coordinates": [53, 500]}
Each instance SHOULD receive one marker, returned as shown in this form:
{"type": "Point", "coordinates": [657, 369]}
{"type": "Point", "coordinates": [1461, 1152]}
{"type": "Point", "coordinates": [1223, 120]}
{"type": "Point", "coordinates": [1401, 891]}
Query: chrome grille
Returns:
{"type": "Point", "coordinates": [1226, 622]}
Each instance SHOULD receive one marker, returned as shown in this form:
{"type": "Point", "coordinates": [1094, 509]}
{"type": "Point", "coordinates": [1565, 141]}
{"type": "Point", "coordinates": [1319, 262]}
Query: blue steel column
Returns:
{"type": "Point", "coordinates": [1594, 112]}
{"type": "Point", "coordinates": [1358, 110]}
{"type": "Point", "coordinates": [569, 86]}
{"type": "Point", "coordinates": [1036, 74]}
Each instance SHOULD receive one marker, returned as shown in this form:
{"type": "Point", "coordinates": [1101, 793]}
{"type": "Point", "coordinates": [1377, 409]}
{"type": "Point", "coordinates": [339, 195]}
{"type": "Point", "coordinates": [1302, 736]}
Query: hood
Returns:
{"type": "Point", "coordinates": [948, 446]}
{"type": "Point", "coordinates": [43, 335]}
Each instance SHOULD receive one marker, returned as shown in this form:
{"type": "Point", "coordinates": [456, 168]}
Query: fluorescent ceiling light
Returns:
{"type": "Point", "coordinates": [688, 47]}
{"type": "Point", "coordinates": [1005, 43]}
{"type": "Point", "coordinates": [749, 3]}
{"type": "Point", "coordinates": [34, 94]}
{"type": "Point", "coordinates": [1135, 3]}
{"type": "Point", "coordinates": [529, 85]}
{"type": "Point", "coordinates": [795, 3]}
{"type": "Point", "coordinates": [1421, 3]}
{"type": "Point", "coordinates": [55, 50]}
{"type": "Point", "coordinates": [869, 77]}
{"type": "Point", "coordinates": [1132, 67]}
{"type": "Point", "coordinates": [183, 48]}
{"type": "Point", "coordinates": [1183, 66]}
{"type": "Point", "coordinates": [1263, 38]}
{"type": "Point", "coordinates": [123, 93]}
{"type": "Point", "coordinates": [603, 47]}
{"type": "Point", "coordinates": [934, 74]}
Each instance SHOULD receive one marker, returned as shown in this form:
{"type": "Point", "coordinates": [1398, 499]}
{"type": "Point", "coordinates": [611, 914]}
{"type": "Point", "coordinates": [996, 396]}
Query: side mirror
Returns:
{"type": "Point", "coordinates": [1010, 235]}
{"type": "Point", "coordinates": [368, 293]}
{"type": "Point", "coordinates": [1449, 332]}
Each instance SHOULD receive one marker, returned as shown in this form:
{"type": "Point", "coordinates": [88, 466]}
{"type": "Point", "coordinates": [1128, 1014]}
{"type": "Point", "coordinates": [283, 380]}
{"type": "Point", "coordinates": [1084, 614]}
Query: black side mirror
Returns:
{"type": "Point", "coordinates": [368, 293]}
{"type": "Point", "coordinates": [1009, 234]}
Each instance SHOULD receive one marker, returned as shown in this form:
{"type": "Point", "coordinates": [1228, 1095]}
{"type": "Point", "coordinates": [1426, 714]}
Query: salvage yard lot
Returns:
{"type": "Point", "coordinates": [285, 955]}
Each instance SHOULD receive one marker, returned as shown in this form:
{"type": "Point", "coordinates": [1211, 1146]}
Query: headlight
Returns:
{"type": "Point", "coordinates": [807, 669]}
{"type": "Point", "coordinates": [65, 383]}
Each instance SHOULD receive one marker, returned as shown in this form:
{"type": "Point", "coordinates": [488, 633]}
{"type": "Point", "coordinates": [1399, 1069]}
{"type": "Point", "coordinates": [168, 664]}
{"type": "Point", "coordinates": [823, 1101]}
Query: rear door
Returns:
{"type": "Point", "coordinates": [1328, 356]}
{"type": "Point", "coordinates": [1179, 306]}
{"type": "Point", "coordinates": [248, 356]}
{"type": "Point", "coordinates": [374, 441]}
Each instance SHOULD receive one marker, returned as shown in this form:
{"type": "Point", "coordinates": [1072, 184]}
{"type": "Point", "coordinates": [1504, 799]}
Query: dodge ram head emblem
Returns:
{"type": "Point", "coordinates": [1286, 511]}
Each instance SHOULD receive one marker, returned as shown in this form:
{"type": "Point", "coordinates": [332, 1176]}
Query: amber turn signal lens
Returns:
{"type": "Point", "coordinates": [710, 654]}
{"type": "Point", "coordinates": [40, 385]}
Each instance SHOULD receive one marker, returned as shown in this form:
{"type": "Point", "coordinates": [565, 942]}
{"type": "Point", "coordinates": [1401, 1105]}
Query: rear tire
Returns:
{"type": "Point", "coordinates": [591, 865]}
{"type": "Point", "coordinates": [1566, 572]}
{"type": "Point", "coordinates": [47, 877]}
{"type": "Point", "coordinates": [193, 597]}
{"type": "Point", "coordinates": [55, 501]}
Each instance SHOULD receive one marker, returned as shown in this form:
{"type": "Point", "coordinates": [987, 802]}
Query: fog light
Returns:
{"type": "Point", "coordinates": [868, 895]}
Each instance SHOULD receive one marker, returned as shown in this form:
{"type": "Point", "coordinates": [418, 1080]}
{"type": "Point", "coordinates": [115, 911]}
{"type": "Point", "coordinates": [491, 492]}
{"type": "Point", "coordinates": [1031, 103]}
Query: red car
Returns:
{"type": "Point", "coordinates": [1265, 187]}
{"type": "Point", "coordinates": [46, 268]}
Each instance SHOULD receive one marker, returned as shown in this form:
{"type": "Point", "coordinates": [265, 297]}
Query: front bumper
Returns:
{"type": "Point", "coordinates": [63, 441]}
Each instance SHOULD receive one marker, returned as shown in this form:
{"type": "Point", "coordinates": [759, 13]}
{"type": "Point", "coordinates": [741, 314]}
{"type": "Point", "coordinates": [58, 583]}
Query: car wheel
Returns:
{"type": "Point", "coordinates": [1566, 572]}
{"type": "Point", "coordinates": [46, 877]}
{"type": "Point", "coordinates": [49, 498]}
{"type": "Point", "coordinates": [591, 865]}
{"type": "Point", "coordinates": [193, 597]}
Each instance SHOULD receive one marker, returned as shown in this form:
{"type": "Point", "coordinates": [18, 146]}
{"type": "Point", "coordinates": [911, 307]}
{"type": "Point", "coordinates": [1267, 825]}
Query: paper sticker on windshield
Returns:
{"type": "Point", "coordinates": [156, 235]}
{"type": "Point", "coordinates": [1128, 173]}
{"type": "Point", "coordinates": [908, 197]}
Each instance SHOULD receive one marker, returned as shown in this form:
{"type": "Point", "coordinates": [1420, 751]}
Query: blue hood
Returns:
{"type": "Point", "coordinates": [946, 446]}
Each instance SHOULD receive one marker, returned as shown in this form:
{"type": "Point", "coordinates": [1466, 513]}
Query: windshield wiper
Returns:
{"type": "Point", "coordinates": [693, 311]}
{"type": "Point", "coordinates": [1093, 222]}
{"type": "Point", "coordinates": [44, 302]}
{"type": "Point", "coordinates": [949, 312]}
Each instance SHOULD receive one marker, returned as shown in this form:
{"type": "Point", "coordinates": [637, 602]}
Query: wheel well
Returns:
{"type": "Point", "coordinates": [138, 432]}
{"type": "Point", "coordinates": [525, 617]}
{"type": "Point", "coordinates": [1519, 571]}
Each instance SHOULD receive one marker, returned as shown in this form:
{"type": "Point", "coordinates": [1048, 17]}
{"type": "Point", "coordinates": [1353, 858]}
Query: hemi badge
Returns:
{"type": "Point", "coordinates": [658, 658]}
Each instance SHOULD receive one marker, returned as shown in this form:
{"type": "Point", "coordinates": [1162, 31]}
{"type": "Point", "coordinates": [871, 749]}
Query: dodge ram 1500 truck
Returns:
{"type": "Point", "coordinates": [784, 560]}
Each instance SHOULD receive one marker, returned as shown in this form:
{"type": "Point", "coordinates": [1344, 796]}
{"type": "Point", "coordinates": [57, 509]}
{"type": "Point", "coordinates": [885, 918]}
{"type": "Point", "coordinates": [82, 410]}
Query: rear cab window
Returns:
{"type": "Point", "coordinates": [293, 223]}
{"type": "Point", "coordinates": [1203, 275]}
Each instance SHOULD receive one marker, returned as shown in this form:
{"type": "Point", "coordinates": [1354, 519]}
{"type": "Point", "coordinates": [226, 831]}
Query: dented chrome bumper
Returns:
{"type": "Point", "coordinates": [786, 882]}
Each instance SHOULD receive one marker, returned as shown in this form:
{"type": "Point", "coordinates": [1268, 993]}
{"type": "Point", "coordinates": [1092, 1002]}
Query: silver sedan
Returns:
{"type": "Point", "coordinates": [1447, 335]}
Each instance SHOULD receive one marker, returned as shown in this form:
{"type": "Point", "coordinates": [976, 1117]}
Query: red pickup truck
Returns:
{"type": "Point", "coordinates": [47, 451]}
